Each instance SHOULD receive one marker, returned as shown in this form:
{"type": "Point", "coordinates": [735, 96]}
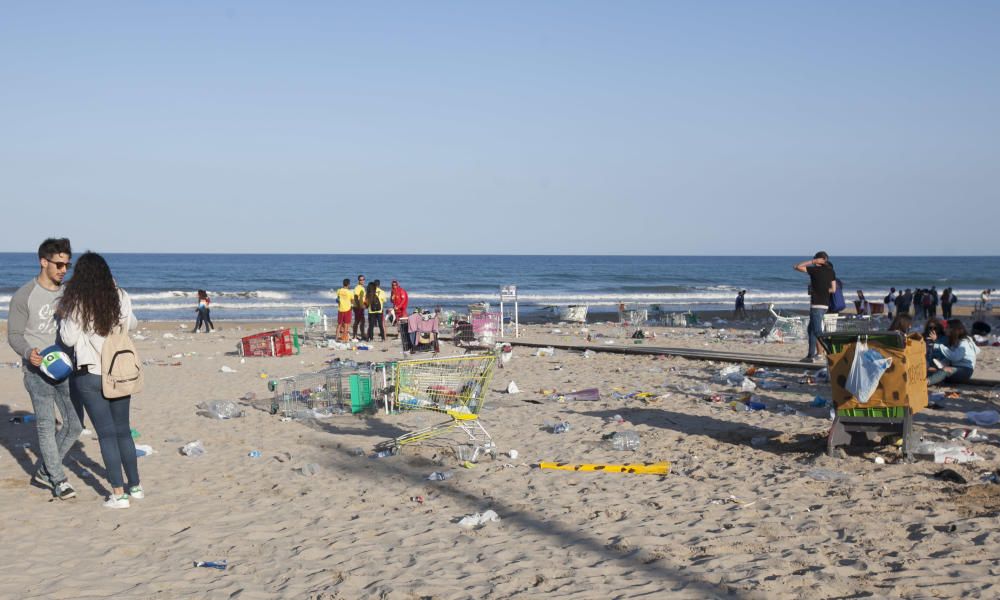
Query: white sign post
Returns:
{"type": "Point", "coordinates": [508, 293]}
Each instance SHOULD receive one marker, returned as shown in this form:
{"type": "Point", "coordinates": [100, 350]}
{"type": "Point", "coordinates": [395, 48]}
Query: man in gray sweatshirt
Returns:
{"type": "Point", "coordinates": [31, 327]}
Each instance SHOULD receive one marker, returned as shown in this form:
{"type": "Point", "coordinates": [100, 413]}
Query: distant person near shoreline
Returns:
{"type": "Point", "coordinates": [358, 302]}
{"type": "Point", "coordinates": [740, 312]}
{"type": "Point", "coordinates": [345, 303]}
{"type": "Point", "coordinates": [822, 283]}
{"type": "Point", "coordinates": [204, 313]}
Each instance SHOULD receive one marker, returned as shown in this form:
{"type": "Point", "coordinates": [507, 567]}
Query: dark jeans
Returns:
{"type": "Point", "coordinates": [114, 433]}
{"type": "Point", "coordinates": [374, 318]}
{"type": "Point", "coordinates": [961, 375]}
{"type": "Point", "coordinates": [946, 311]}
{"type": "Point", "coordinates": [359, 323]}
{"type": "Point", "coordinates": [815, 328]}
{"type": "Point", "coordinates": [204, 316]}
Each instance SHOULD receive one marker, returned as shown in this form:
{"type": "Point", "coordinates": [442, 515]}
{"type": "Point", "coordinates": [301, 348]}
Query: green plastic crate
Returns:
{"type": "Point", "coordinates": [361, 393]}
{"type": "Point", "coordinates": [895, 412]}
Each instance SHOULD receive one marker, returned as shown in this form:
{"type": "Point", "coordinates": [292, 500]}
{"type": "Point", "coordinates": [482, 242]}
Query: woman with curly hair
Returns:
{"type": "Point", "coordinates": [92, 305]}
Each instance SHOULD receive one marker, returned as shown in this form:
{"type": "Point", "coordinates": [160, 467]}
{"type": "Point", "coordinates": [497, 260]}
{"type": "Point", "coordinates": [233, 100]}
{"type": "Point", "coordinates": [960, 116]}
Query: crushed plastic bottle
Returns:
{"type": "Point", "coordinates": [439, 476]}
{"type": "Point", "coordinates": [562, 427]}
{"type": "Point", "coordinates": [195, 448]}
{"type": "Point", "coordinates": [625, 440]}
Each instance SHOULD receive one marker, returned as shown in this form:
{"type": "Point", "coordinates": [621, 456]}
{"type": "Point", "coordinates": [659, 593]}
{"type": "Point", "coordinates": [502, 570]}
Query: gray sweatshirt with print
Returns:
{"type": "Point", "coordinates": [31, 318]}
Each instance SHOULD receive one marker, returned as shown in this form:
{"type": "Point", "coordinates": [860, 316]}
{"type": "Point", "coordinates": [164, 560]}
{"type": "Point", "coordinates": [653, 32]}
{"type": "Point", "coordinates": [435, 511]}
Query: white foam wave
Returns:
{"type": "Point", "coordinates": [174, 294]}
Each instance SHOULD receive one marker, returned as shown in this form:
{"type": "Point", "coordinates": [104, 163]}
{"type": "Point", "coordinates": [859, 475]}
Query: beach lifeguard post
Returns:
{"type": "Point", "coordinates": [508, 293]}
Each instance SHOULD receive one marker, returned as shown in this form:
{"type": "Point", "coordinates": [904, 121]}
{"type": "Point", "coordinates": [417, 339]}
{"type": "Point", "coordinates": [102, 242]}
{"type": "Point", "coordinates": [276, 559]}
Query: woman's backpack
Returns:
{"type": "Point", "coordinates": [375, 303]}
{"type": "Point", "coordinates": [121, 369]}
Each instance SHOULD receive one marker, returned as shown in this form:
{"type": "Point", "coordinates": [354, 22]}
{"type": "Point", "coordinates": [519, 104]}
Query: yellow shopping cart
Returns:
{"type": "Point", "coordinates": [454, 386]}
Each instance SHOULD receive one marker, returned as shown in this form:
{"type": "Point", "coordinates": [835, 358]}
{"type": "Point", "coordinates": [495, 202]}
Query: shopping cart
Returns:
{"type": "Point", "coordinates": [631, 318]}
{"type": "Point", "coordinates": [280, 342]}
{"type": "Point", "coordinates": [344, 387]}
{"type": "Point", "coordinates": [478, 332]}
{"type": "Point", "coordinates": [784, 328]}
{"type": "Point", "coordinates": [834, 323]}
{"type": "Point", "coordinates": [315, 323]}
{"type": "Point", "coordinates": [455, 387]}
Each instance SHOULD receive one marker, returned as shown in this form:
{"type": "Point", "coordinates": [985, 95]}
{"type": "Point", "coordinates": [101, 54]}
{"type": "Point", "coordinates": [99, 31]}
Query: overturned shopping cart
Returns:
{"type": "Point", "coordinates": [455, 387]}
{"type": "Point", "coordinates": [784, 328]}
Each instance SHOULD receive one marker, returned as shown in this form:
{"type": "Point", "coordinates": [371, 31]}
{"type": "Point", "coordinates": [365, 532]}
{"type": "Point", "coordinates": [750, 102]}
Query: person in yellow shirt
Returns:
{"type": "Point", "coordinates": [345, 299]}
{"type": "Point", "coordinates": [376, 306]}
{"type": "Point", "coordinates": [358, 305]}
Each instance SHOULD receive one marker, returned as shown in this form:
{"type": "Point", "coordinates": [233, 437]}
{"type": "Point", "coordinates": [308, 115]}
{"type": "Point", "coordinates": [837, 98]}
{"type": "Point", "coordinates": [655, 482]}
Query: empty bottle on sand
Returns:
{"type": "Point", "coordinates": [625, 440]}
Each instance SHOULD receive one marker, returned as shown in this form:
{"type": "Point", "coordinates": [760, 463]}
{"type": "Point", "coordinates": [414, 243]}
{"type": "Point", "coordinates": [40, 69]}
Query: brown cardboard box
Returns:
{"type": "Point", "coordinates": [904, 384]}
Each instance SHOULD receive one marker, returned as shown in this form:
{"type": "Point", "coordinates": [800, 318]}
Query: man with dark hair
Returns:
{"type": "Point", "coordinates": [358, 306]}
{"type": "Point", "coordinates": [345, 300]}
{"type": "Point", "coordinates": [822, 282]}
{"type": "Point", "coordinates": [31, 328]}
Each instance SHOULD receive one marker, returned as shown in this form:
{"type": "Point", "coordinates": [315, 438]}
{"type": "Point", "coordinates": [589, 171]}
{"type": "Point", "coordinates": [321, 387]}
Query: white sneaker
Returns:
{"type": "Point", "coordinates": [136, 492]}
{"type": "Point", "coordinates": [117, 501]}
{"type": "Point", "coordinates": [85, 431]}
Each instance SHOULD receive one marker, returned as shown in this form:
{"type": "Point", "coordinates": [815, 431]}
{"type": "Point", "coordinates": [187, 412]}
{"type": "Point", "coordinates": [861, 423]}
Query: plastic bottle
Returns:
{"type": "Point", "coordinates": [625, 440]}
{"type": "Point", "coordinates": [383, 453]}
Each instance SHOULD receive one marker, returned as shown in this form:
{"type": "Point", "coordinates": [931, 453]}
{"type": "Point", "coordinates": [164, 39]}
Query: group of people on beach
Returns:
{"type": "Point", "coordinates": [367, 301]}
{"type": "Point", "coordinates": [923, 301]}
{"type": "Point", "coordinates": [951, 351]}
{"type": "Point", "coordinates": [59, 329]}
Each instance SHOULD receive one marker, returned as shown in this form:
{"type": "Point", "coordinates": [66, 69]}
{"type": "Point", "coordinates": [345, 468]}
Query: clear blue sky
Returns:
{"type": "Point", "coordinates": [502, 127]}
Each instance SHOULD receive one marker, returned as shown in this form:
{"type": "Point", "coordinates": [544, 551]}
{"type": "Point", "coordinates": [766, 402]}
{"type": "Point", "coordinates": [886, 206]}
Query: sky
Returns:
{"type": "Point", "coordinates": [537, 127]}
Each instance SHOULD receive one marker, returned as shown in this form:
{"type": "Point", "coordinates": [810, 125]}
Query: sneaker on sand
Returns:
{"type": "Point", "coordinates": [136, 492]}
{"type": "Point", "coordinates": [85, 431]}
{"type": "Point", "coordinates": [64, 491]}
{"type": "Point", "coordinates": [117, 501]}
{"type": "Point", "coordinates": [42, 478]}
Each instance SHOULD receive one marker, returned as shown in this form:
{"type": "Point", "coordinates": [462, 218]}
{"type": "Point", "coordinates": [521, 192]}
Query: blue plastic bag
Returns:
{"type": "Point", "coordinates": [866, 370]}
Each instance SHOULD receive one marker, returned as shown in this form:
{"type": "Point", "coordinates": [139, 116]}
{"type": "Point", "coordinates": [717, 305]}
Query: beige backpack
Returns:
{"type": "Point", "coordinates": [121, 369]}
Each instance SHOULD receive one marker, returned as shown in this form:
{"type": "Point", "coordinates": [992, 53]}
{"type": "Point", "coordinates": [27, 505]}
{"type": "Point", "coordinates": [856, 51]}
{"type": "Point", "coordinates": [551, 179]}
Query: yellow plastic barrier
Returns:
{"type": "Point", "coordinates": [659, 468]}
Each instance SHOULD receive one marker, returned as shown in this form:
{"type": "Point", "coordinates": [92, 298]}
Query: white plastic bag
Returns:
{"type": "Point", "coordinates": [866, 370]}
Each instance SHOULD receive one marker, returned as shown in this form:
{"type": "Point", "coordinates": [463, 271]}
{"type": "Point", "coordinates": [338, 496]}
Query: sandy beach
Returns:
{"type": "Point", "coordinates": [752, 507]}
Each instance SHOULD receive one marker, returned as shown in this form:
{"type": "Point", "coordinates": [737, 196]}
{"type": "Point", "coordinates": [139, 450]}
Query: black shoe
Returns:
{"type": "Point", "coordinates": [42, 478]}
{"type": "Point", "coordinates": [64, 491]}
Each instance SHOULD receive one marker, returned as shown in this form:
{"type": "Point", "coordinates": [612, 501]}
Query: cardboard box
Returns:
{"type": "Point", "coordinates": [904, 384]}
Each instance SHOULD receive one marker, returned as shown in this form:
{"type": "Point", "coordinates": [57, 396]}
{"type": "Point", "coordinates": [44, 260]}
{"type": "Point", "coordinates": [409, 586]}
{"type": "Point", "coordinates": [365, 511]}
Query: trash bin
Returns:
{"type": "Point", "coordinates": [901, 392]}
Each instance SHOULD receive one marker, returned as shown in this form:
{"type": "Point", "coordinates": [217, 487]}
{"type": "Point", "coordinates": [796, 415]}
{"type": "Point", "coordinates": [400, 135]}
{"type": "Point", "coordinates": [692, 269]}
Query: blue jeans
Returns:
{"type": "Point", "coordinates": [815, 328]}
{"type": "Point", "coordinates": [961, 375]}
{"type": "Point", "coordinates": [114, 433]}
{"type": "Point", "coordinates": [46, 398]}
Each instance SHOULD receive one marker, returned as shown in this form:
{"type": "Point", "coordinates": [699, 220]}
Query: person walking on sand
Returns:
{"type": "Point", "coordinates": [934, 301]}
{"type": "Point", "coordinates": [91, 307]}
{"type": "Point", "coordinates": [345, 303]}
{"type": "Point", "coordinates": [358, 302]}
{"type": "Point", "coordinates": [863, 306]}
{"type": "Point", "coordinates": [31, 329]}
{"type": "Point", "coordinates": [822, 282]}
{"type": "Point", "coordinates": [204, 312]}
{"type": "Point", "coordinates": [741, 307]}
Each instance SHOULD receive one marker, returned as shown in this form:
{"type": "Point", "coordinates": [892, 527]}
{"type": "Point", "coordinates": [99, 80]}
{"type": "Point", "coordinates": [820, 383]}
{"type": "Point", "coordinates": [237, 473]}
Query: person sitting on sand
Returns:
{"type": "Point", "coordinates": [957, 355]}
{"type": "Point", "coordinates": [902, 324]}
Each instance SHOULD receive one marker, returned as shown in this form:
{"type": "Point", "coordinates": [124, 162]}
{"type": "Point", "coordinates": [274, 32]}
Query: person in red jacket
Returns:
{"type": "Point", "coordinates": [399, 299]}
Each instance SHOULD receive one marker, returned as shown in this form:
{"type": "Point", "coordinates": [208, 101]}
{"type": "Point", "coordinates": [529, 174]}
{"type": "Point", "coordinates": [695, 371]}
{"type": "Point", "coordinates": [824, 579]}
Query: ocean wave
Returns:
{"type": "Point", "coordinates": [172, 294]}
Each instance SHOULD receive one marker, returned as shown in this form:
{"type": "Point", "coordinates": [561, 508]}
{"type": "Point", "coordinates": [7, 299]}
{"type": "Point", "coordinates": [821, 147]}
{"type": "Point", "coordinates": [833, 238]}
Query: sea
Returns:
{"type": "Point", "coordinates": [279, 286]}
